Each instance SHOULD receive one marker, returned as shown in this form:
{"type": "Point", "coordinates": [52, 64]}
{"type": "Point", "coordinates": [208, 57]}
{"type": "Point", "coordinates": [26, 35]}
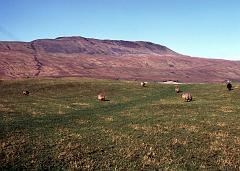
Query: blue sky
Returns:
{"type": "Point", "coordinates": [202, 28]}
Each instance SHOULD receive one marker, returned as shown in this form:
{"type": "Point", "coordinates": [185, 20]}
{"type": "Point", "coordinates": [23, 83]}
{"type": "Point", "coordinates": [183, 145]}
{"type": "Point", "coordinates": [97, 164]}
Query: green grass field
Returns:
{"type": "Point", "coordinates": [62, 126]}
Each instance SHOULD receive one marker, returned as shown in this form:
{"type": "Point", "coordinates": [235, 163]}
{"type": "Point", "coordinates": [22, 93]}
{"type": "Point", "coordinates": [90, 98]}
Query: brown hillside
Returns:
{"type": "Point", "coordinates": [114, 59]}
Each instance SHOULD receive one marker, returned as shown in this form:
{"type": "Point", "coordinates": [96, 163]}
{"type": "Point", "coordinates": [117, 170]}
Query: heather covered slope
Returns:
{"type": "Point", "coordinates": [114, 59]}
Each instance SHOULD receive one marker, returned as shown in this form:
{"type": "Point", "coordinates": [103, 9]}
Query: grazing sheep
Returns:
{"type": "Point", "coordinates": [229, 85]}
{"type": "Point", "coordinates": [26, 93]}
{"type": "Point", "coordinates": [187, 97]}
{"type": "Point", "coordinates": [177, 89]}
{"type": "Point", "coordinates": [101, 97]}
{"type": "Point", "coordinates": [143, 84]}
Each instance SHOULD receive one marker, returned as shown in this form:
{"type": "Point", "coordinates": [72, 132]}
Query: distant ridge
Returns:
{"type": "Point", "coordinates": [111, 59]}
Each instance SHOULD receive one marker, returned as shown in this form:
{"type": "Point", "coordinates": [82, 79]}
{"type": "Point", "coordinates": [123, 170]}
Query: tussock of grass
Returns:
{"type": "Point", "coordinates": [62, 125]}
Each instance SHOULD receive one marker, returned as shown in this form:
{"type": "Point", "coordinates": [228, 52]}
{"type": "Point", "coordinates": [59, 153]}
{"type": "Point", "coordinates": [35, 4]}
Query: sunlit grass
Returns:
{"type": "Point", "coordinates": [62, 125]}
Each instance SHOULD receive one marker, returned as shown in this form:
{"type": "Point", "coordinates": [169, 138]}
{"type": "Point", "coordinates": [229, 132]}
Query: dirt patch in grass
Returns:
{"type": "Point", "coordinates": [81, 121]}
{"type": "Point", "coordinates": [107, 118]}
{"type": "Point", "coordinates": [218, 134]}
{"type": "Point", "coordinates": [5, 109]}
{"type": "Point", "coordinates": [221, 124]}
{"type": "Point", "coordinates": [80, 104]}
{"type": "Point", "coordinates": [227, 109]}
{"type": "Point", "coordinates": [148, 129]}
{"type": "Point", "coordinates": [37, 113]}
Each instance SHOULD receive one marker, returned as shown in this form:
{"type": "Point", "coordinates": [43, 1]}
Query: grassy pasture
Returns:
{"type": "Point", "coordinates": [62, 126]}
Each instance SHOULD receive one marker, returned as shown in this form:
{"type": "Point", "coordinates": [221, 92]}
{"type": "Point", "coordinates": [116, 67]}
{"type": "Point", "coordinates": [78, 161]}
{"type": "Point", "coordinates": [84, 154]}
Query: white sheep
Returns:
{"type": "Point", "coordinates": [143, 84]}
{"type": "Point", "coordinates": [25, 92]}
{"type": "Point", "coordinates": [187, 97]}
{"type": "Point", "coordinates": [101, 97]}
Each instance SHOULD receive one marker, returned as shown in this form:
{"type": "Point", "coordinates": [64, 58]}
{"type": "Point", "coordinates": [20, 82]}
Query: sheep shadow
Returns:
{"type": "Point", "coordinates": [105, 100]}
{"type": "Point", "coordinates": [193, 100]}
